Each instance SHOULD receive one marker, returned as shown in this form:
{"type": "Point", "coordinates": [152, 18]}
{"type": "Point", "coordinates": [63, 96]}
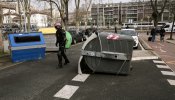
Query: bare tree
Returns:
{"type": "Point", "coordinates": [172, 11]}
{"type": "Point", "coordinates": [62, 6]}
{"type": "Point", "coordinates": [1, 41]}
{"type": "Point", "coordinates": [77, 4]}
{"type": "Point", "coordinates": [63, 9]}
{"type": "Point", "coordinates": [87, 6]}
{"type": "Point", "coordinates": [157, 13]}
{"type": "Point", "coordinates": [19, 12]}
{"type": "Point", "coordinates": [66, 4]}
{"type": "Point", "coordinates": [27, 12]}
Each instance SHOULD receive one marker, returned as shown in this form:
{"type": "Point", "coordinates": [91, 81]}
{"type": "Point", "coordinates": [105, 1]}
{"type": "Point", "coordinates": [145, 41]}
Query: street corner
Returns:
{"type": "Point", "coordinates": [144, 43]}
{"type": "Point", "coordinates": [170, 41]}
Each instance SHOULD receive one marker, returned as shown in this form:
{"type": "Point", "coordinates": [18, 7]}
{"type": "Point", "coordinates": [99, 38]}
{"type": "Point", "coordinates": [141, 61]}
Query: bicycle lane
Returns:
{"type": "Point", "coordinates": [165, 50]}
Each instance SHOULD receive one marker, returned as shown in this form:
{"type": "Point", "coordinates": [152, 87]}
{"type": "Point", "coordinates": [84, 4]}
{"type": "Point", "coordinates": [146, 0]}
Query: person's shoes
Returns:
{"type": "Point", "coordinates": [59, 66]}
{"type": "Point", "coordinates": [66, 62]}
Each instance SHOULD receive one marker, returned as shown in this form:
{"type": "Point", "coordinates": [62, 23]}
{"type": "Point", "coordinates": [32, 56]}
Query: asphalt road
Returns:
{"type": "Point", "coordinates": [40, 80]}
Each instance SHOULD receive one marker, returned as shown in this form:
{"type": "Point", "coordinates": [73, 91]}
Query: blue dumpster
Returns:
{"type": "Point", "coordinates": [27, 46]}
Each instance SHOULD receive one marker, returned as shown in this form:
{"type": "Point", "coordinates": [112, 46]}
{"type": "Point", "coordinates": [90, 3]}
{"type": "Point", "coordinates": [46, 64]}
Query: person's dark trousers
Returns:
{"type": "Point", "coordinates": [153, 38]}
{"type": "Point", "coordinates": [60, 54]}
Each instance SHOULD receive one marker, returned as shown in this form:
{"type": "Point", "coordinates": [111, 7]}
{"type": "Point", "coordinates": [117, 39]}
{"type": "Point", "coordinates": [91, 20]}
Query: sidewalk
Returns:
{"type": "Point", "coordinates": [164, 50]}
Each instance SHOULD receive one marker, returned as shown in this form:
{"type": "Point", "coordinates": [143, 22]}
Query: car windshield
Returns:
{"type": "Point", "coordinates": [128, 32]}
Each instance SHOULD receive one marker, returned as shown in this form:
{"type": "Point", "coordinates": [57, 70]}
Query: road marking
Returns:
{"type": "Point", "coordinates": [168, 73]}
{"type": "Point", "coordinates": [171, 82]}
{"type": "Point", "coordinates": [161, 44]}
{"type": "Point", "coordinates": [144, 58]}
{"type": "Point", "coordinates": [141, 46]}
{"type": "Point", "coordinates": [161, 50]}
{"type": "Point", "coordinates": [66, 92]}
{"type": "Point", "coordinates": [11, 65]}
{"type": "Point", "coordinates": [80, 77]}
{"type": "Point", "coordinates": [160, 62]}
{"type": "Point", "coordinates": [163, 66]}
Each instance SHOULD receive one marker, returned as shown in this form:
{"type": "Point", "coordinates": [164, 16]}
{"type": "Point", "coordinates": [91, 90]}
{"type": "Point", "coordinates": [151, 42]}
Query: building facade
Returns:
{"type": "Point", "coordinates": [131, 12]}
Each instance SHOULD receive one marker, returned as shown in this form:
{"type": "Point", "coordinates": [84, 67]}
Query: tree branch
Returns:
{"type": "Point", "coordinates": [162, 9]}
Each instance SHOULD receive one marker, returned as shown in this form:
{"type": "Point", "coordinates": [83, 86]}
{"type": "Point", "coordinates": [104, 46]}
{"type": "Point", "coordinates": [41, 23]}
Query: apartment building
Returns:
{"type": "Point", "coordinates": [131, 12]}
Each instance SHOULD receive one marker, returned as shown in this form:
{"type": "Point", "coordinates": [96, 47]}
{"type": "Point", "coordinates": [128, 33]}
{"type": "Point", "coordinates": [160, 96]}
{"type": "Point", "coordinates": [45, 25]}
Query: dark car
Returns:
{"type": "Point", "coordinates": [83, 34]}
{"type": "Point", "coordinates": [89, 31]}
{"type": "Point", "coordinates": [76, 37]}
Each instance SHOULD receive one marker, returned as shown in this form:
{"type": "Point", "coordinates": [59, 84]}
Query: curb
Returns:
{"type": "Point", "coordinates": [147, 47]}
{"type": "Point", "coordinates": [169, 41]}
{"type": "Point", "coordinates": [144, 44]}
{"type": "Point", "coordinates": [4, 55]}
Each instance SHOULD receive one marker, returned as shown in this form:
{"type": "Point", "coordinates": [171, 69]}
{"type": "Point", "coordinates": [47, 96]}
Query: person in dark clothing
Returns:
{"type": "Point", "coordinates": [115, 29]}
{"type": "Point", "coordinates": [61, 40]}
{"type": "Point", "coordinates": [162, 34]}
{"type": "Point", "coordinates": [153, 34]}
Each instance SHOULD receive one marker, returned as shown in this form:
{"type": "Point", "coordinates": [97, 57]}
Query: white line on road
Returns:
{"type": "Point", "coordinates": [163, 66]}
{"type": "Point", "coordinates": [160, 62]}
{"type": "Point", "coordinates": [168, 73]}
{"type": "Point", "coordinates": [11, 65]}
{"type": "Point", "coordinates": [80, 77]}
{"type": "Point", "coordinates": [66, 92]}
{"type": "Point", "coordinates": [161, 50]}
{"type": "Point", "coordinates": [144, 58]}
{"type": "Point", "coordinates": [171, 82]}
{"type": "Point", "coordinates": [161, 44]}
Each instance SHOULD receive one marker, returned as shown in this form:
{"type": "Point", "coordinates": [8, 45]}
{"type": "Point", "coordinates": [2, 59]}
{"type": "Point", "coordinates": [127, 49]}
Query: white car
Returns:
{"type": "Point", "coordinates": [133, 33]}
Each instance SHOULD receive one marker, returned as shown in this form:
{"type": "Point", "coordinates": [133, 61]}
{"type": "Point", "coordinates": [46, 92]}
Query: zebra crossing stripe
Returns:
{"type": "Point", "coordinates": [157, 61]}
{"type": "Point", "coordinates": [144, 58]}
{"type": "Point", "coordinates": [163, 66]}
{"type": "Point", "coordinates": [66, 92]}
{"type": "Point", "coordinates": [168, 73]}
{"type": "Point", "coordinates": [171, 82]}
{"type": "Point", "coordinates": [80, 77]}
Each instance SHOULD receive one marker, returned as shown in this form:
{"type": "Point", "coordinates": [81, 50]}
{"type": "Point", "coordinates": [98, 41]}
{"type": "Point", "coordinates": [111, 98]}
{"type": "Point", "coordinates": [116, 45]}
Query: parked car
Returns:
{"type": "Point", "coordinates": [76, 37]}
{"type": "Point", "coordinates": [133, 33]}
{"type": "Point", "coordinates": [89, 31]}
{"type": "Point", "coordinates": [82, 32]}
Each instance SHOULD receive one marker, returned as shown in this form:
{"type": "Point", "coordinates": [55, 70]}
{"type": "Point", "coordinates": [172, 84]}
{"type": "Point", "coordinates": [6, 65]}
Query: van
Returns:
{"type": "Point", "coordinates": [167, 27]}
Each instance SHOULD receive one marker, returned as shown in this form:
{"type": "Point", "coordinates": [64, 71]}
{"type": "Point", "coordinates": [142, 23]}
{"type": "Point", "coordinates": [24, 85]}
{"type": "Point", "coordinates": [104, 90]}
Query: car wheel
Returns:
{"type": "Point", "coordinates": [136, 47]}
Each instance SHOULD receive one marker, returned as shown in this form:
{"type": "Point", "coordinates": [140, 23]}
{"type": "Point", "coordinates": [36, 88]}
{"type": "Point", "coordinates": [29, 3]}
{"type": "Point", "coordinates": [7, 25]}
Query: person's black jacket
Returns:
{"type": "Point", "coordinates": [60, 37]}
{"type": "Point", "coordinates": [153, 31]}
{"type": "Point", "coordinates": [162, 32]}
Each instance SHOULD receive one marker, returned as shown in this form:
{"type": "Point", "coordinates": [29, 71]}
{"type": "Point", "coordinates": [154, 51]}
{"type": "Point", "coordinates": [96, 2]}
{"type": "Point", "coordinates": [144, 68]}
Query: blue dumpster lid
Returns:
{"type": "Point", "coordinates": [26, 39]}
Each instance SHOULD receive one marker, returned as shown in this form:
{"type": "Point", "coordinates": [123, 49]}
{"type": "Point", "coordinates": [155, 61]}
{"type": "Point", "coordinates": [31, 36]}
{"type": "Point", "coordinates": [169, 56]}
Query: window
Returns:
{"type": "Point", "coordinates": [166, 26]}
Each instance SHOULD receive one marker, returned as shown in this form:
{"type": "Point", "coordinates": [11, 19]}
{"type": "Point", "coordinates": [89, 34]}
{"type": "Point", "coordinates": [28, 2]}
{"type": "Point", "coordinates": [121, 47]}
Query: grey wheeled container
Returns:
{"type": "Point", "coordinates": [107, 53]}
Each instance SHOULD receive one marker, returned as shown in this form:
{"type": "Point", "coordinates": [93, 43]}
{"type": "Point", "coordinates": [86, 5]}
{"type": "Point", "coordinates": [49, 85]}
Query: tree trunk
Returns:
{"type": "Point", "coordinates": [20, 22]}
{"type": "Point", "coordinates": [171, 34]}
{"type": "Point", "coordinates": [77, 3]}
{"type": "Point", "coordinates": [77, 20]}
{"type": "Point", "coordinates": [67, 15]}
{"type": "Point", "coordinates": [155, 22]}
{"type": "Point", "coordinates": [28, 22]}
{"type": "Point", "coordinates": [86, 20]}
{"type": "Point", "coordinates": [1, 35]}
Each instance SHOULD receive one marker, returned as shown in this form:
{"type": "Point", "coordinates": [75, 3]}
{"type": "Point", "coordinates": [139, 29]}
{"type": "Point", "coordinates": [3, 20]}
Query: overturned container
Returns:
{"type": "Point", "coordinates": [107, 53]}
